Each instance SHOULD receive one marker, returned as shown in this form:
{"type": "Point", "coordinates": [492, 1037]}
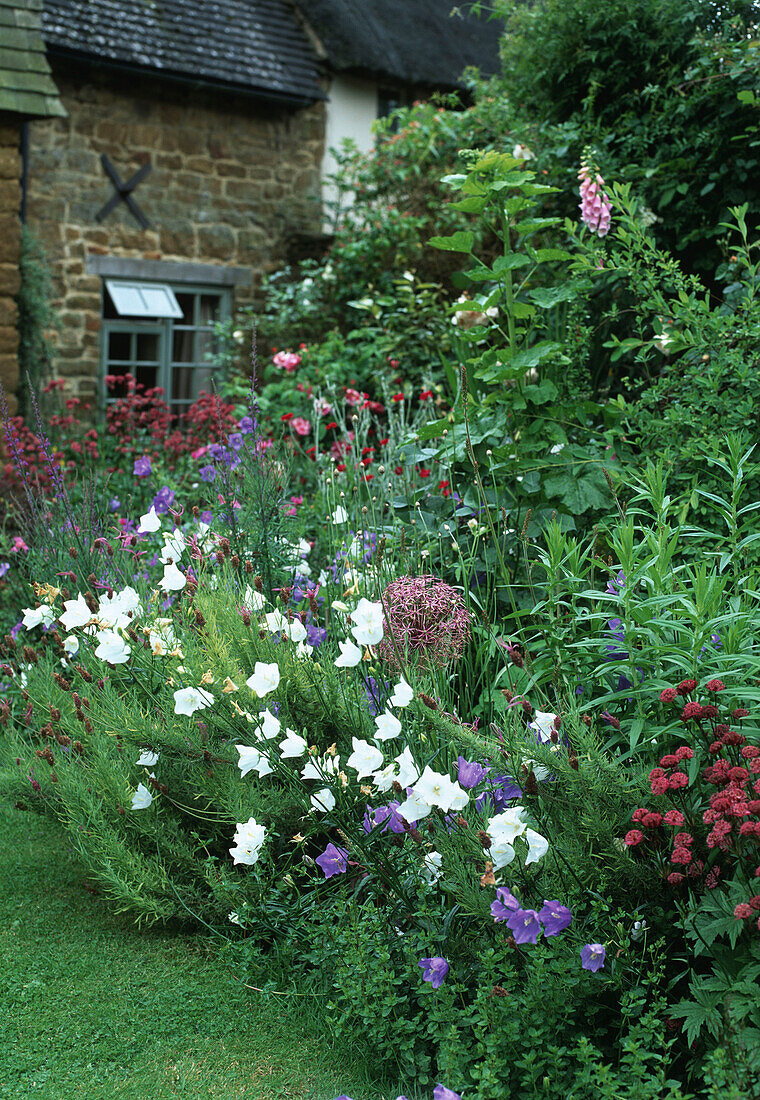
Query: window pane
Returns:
{"type": "Point", "coordinates": [208, 312]}
{"type": "Point", "coordinates": [147, 347]}
{"type": "Point", "coordinates": [186, 303]}
{"type": "Point", "coordinates": [182, 384]}
{"type": "Point", "coordinates": [207, 345]}
{"type": "Point", "coordinates": [147, 376]}
{"type": "Point", "coordinates": [203, 376]}
{"type": "Point", "coordinates": [182, 346]}
{"type": "Point", "coordinates": [119, 346]}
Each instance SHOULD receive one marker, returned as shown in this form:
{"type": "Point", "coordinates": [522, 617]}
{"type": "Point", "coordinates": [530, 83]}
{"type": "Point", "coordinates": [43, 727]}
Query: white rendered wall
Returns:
{"type": "Point", "coordinates": [351, 111]}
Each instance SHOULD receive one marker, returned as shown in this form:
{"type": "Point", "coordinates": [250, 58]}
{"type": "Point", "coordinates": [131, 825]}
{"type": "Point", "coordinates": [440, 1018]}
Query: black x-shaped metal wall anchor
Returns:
{"type": "Point", "coordinates": [123, 192]}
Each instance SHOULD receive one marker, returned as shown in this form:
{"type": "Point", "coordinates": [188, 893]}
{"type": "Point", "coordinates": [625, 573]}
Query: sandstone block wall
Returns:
{"type": "Point", "coordinates": [10, 252]}
{"type": "Point", "coordinates": [232, 180]}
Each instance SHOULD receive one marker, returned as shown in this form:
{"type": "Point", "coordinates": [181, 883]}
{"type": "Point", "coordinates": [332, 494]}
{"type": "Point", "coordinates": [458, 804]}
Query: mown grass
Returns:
{"type": "Point", "coordinates": [91, 1007]}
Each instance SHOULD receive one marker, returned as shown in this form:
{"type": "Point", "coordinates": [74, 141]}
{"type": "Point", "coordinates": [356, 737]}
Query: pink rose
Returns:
{"type": "Point", "coordinates": [287, 359]}
{"type": "Point", "coordinates": [300, 426]}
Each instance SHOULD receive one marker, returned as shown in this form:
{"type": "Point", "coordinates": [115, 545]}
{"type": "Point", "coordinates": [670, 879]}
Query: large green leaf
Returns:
{"type": "Point", "coordinates": [461, 241]}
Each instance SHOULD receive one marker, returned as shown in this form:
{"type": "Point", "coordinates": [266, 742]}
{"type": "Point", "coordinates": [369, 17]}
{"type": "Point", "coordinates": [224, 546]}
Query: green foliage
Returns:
{"type": "Point", "coordinates": [666, 88]}
{"type": "Point", "coordinates": [36, 317]}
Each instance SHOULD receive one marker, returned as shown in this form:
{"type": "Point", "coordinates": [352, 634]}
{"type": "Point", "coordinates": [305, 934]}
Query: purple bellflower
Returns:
{"type": "Point", "coordinates": [434, 970]}
{"type": "Point", "coordinates": [333, 861]}
{"type": "Point", "coordinates": [470, 774]}
{"type": "Point", "coordinates": [554, 917]}
{"type": "Point", "coordinates": [142, 467]}
{"type": "Point", "coordinates": [524, 925]}
{"type": "Point", "coordinates": [593, 956]}
{"type": "Point", "coordinates": [505, 905]}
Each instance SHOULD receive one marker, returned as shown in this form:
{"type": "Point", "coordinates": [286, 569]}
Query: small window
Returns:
{"type": "Point", "coordinates": [169, 350]}
{"type": "Point", "coordinates": [143, 299]}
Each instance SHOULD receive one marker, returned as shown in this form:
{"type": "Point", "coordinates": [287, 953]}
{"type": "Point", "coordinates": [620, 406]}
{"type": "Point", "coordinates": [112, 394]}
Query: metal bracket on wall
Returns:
{"type": "Point", "coordinates": [123, 192]}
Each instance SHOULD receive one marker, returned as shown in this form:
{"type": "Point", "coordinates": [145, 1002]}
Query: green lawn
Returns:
{"type": "Point", "coordinates": [91, 1007]}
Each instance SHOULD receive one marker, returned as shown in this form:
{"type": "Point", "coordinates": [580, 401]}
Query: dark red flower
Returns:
{"type": "Point", "coordinates": [633, 837]}
{"type": "Point", "coordinates": [686, 686]}
{"type": "Point", "coordinates": [668, 695]}
{"type": "Point", "coordinates": [715, 685]}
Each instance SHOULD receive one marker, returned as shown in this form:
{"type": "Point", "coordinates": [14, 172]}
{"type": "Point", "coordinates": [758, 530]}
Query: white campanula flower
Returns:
{"type": "Point", "coordinates": [116, 612]}
{"type": "Point", "coordinates": [388, 726]}
{"type": "Point", "coordinates": [297, 631]}
{"type": "Point", "coordinates": [253, 599]}
{"type": "Point", "coordinates": [340, 515]}
{"type": "Point", "coordinates": [269, 725]}
{"type": "Point", "coordinates": [538, 846]}
{"type": "Point", "coordinates": [304, 650]}
{"type": "Point", "coordinates": [249, 840]}
{"type": "Point", "coordinates": [368, 618]}
{"type": "Point", "coordinates": [385, 777]}
{"type": "Point", "coordinates": [543, 724]}
{"type": "Point", "coordinates": [323, 800]}
{"type": "Point", "coordinates": [408, 772]}
{"type": "Point", "coordinates": [431, 869]}
{"type": "Point", "coordinates": [173, 579]}
{"type": "Point", "coordinates": [188, 700]}
{"type": "Point", "coordinates": [33, 616]}
{"type": "Point", "coordinates": [112, 648]}
{"type": "Point", "coordinates": [402, 694]}
{"type": "Point", "coordinates": [162, 637]}
{"type": "Point", "coordinates": [234, 918]}
{"type": "Point", "coordinates": [142, 798]}
{"type": "Point", "coordinates": [321, 767]}
{"type": "Point", "coordinates": [662, 342]}
{"type": "Point", "coordinates": [76, 613]}
{"type": "Point", "coordinates": [338, 605]}
{"type": "Point", "coordinates": [147, 759]}
{"type": "Point", "coordinates": [350, 655]}
{"type": "Point", "coordinates": [276, 622]}
{"type": "Point", "coordinates": [508, 824]}
{"type": "Point", "coordinates": [501, 853]}
{"type": "Point", "coordinates": [439, 789]}
{"type": "Point", "coordinates": [303, 569]}
{"type": "Point", "coordinates": [150, 522]}
{"type": "Point", "coordinates": [293, 745]}
{"type": "Point", "coordinates": [365, 758]}
{"type": "Point", "coordinates": [265, 678]}
{"type": "Point", "coordinates": [414, 808]}
{"type": "Point", "coordinates": [71, 645]}
{"type": "Point", "coordinates": [174, 545]}
{"type": "Point", "coordinates": [251, 760]}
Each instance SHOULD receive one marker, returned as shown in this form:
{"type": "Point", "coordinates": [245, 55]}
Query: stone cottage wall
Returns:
{"type": "Point", "coordinates": [10, 252]}
{"type": "Point", "coordinates": [232, 180]}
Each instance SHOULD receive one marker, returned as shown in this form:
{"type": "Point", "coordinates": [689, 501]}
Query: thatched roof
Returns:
{"type": "Point", "coordinates": [425, 42]}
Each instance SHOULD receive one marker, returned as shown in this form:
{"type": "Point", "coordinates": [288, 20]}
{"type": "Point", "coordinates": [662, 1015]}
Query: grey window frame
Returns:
{"type": "Point", "coordinates": [165, 327]}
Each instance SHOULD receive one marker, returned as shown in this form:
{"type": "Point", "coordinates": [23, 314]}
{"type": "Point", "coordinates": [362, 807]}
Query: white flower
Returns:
{"type": "Point", "coordinates": [543, 724]}
{"type": "Point", "coordinates": [234, 918]}
{"type": "Point", "coordinates": [303, 569]}
{"type": "Point", "coordinates": [414, 809]}
{"type": "Point", "coordinates": [408, 772]}
{"type": "Point", "coordinates": [297, 631]}
{"type": "Point", "coordinates": [350, 655]}
{"type": "Point", "coordinates": [501, 853]}
{"type": "Point", "coordinates": [147, 759]}
{"type": "Point", "coordinates": [538, 846]}
{"type": "Point", "coordinates": [249, 840]}
{"type": "Point", "coordinates": [338, 605]}
{"type": "Point", "coordinates": [77, 613]}
{"type": "Point", "coordinates": [323, 800]}
{"type": "Point", "coordinates": [250, 760]}
{"type": "Point", "coordinates": [253, 599]}
{"type": "Point", "coordinates": [402, 694]}
{"type": "Point", "coordinates": [340, 515]}
{"type": "Point", "coordinates": [265, 678]}
{"type": "Point", "coordinates": [303, 650]}
{"type": "Point", "coordinates": [33, 616]}
{"type": "Point", "coordinates": [638, 930]}
{"type": "Point", "coordinates": [662, 342]}
{"type": "Point", "coordinates": [439, 789]}
{"type": "Point", "coordinates": [71, 645]}
{"type": "Point", "coordinates": [150, 522]}
{"type": "Point", "coordinates": [174, 544]}
{"type": "Point", "coordinates": [117, 611]}
{"type": "Point", "coordinates": [365, 758]}
{"type": "Point", "coordinates": [112, 648]}
{"type": "Point", "coordinates": [142, 798]}
{"type": "Point", "coordinates": [321, 767]}
{"type": "Point", "coordinates": [431, 867]}
{"type": "Point", "coordinates": [162, 637]}
{"type": "Point", "coordinates": [522, 152]}
{"type": "Point", "coordinates": [173, 579]}
{"type": "Point", "coordinates": [388, 726]}
{"type": "Point", "coordinates": [507, 825]}
{"type": "Point", "coordinates": [276, 622]}
{"type": "Point", "coordinates": [385, 777]}
{"type": "Point", "coordinates": [369, 622]}
{"type": "Point", "coordinates": [269, 725]}
{"type": "Point", "coordinates": [293, 745]}
{"type": "Point", "coordinates": [188, 700]}
{"type": "Point", "coordinates": [556, 449]}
